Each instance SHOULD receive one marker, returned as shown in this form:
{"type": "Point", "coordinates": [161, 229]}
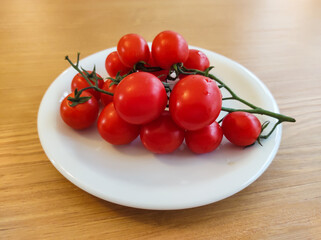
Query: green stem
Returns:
{"type": "Point", "coordinates": [271, 131]}
{"type": "Point", "coordinates": [261, 111]}
{"type": "Point", "coordinates": [233, 94]}
{"type": "Point", "coordinates": [281, 118]}
{"type": "Point", "coordinates": [228, 98]}
{"type": "Point", "coordinates": [142, 66]}
{"type": "Point", "coordinates": [76, 67]}
{"type": "Point", "coordinates": [81, 90]}
{"type": "Point", "coordinates": [255, 109]}
{"type": "Point", "coordinates": [184, 70]}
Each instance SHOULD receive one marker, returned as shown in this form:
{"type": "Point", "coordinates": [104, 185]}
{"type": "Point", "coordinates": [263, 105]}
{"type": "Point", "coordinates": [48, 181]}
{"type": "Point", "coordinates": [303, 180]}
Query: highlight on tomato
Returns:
{"type": "Point", "coordinates": [79, 82]}
{"type": "Point", "coordinates": [241, 128]}
{"type": "Point", "coordinates": [195, 102]}
{"type": "Point", "coordinates": [132, 48]}
{"type": "Point", "coordinates": [114, 129]}
{"type": "Point", "coordinates": [113, 65]}
{"type": "Point", "coordinates": [162, 135]}
{"type": "Point", "coordinates": [168, 48]}
{"type": "Point", "coordinates": [204, 140]}
{"type": "Point", "coordinates": [140, 98]}
{"type": "Point", "coordinates": [80, 113]}
{"type": "Point", "coordinates": [197, 60]}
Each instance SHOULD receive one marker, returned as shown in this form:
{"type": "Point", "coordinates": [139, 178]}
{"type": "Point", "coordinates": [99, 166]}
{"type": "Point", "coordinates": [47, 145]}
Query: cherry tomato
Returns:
{"type": "Point", "coordinates": [140, 98]}
{"type": "Point", "coordinates": [105, 98]}
{"type": "Point", "coordinates": [162, 135]}
{"type": "Point", "coordinates": [169, 48]}
{"type": "Point", "coordinates": [162, 75]}
{"type": "Point", "coordinates": [81, 116]}
{"type": "Point", "coordinates": [131, 49]}
{"type": "Point", "coordinates": [197, 60]}
{"type": "Point", "coordinates": [114, 129]}
{"type": "Point", "coordinates": [113, 65]}
{"type": "Point", "coordinates": [79, 82]}
{"type": "Point", "coordinates": [241, 128]}
{"type": "Point", "coordinates": [204, 140]}
{"type": "Point", "coordinates": [195, 102]}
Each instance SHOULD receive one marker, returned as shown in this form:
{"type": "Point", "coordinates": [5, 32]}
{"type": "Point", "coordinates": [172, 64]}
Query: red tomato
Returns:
{"type": "Point", "coordinates": [79, 82]}
{"type": "Point", "coordinates": [195, 102]}
{"type": "Point", "coordinates": [114, 65]}
{"type": "Point", "coordinates": [241, 128]}
{"type": "Point", "coordinates": [162, 75]}
{"type": "Point", "coordinates": [204, 140]}
{"type": "Point", "coordinates": [114, 129]}
{"type": "Point", "coordinates": [197, 60]}
{"type": "Point", "coordinates": [131, 49]}
{"type": "Point", "coordinates": [162, 135]}
{"type": "Point", "coordinates": [105, 98]}
{"type": "Point", "coordinates": [81, 116]}
{"type": "Point", "coordinates": [169, 48]}
{"type": "Point", "coordinates": [140, 98]}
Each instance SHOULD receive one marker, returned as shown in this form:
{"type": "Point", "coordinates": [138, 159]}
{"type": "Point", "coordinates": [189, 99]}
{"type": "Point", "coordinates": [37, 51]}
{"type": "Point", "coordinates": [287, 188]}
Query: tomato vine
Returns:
{"type": "Point", "coordinates": [178, 69]}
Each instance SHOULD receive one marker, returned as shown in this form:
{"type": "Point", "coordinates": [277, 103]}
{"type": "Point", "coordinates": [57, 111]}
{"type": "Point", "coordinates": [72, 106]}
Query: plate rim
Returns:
{"type": "Point", "coordinates": [82, 185]}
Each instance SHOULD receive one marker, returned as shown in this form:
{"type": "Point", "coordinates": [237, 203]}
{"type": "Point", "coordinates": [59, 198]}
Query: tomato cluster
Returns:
{"type": "Point", "coordinates": [141, 103]}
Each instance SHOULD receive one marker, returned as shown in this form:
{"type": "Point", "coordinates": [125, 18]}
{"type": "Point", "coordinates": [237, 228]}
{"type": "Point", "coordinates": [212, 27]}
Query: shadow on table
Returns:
{"type": "Point", "coordinates": [218, 210]}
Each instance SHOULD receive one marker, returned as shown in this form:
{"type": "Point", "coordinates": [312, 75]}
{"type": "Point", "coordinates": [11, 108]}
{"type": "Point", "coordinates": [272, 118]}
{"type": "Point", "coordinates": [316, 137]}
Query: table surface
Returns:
{"type": "Point", "coordinates": [280, 41]}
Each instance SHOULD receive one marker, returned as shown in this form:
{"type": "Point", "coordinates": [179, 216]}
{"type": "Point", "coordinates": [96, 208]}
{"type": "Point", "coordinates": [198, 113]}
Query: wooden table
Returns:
{"type": "Point", "coordinates": [280, 41]}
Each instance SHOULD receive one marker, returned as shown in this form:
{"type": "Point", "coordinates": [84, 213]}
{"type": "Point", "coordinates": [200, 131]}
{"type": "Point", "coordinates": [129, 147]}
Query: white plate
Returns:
{"type": "Point", "coordinates": [132, 176]}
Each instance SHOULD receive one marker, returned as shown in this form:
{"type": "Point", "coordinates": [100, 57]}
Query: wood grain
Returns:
{"type": "Point", "coordinates": [280, 41]}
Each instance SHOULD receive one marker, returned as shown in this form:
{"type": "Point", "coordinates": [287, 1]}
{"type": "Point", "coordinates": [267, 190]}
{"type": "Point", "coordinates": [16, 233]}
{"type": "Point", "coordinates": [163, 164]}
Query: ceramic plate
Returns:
{"type": "Point", "coordinates": [130, 175]}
